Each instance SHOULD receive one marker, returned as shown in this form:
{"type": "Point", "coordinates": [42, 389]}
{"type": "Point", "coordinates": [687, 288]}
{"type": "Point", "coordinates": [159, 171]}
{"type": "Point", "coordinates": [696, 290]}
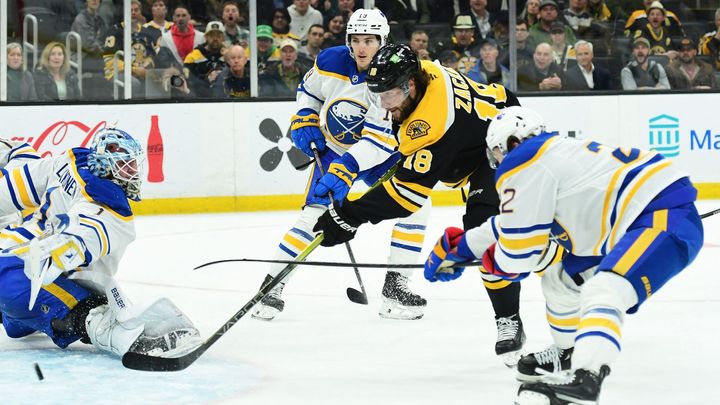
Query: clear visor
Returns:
{"type": "Point", "coordinates": [394, 97]}
{"type": "Point", "coordinates": [495, 156]}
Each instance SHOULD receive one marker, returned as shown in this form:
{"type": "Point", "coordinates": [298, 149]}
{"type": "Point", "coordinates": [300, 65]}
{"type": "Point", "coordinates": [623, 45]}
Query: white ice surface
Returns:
{"type": "Point", "coordinates": [326, 350]}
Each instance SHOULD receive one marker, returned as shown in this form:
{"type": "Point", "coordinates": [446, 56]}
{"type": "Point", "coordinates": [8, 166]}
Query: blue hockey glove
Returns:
{"type": "Point", "coordinates": [451, 248]}
{"type": "Point", "coordinates": [338, 180]}
{"type": "Point", "coordinates": [305, 129]}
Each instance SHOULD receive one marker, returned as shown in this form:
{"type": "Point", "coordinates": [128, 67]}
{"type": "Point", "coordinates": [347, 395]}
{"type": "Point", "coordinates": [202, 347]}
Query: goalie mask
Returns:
{"type": "Point", "coordinates": [117, 156]}
{"type": "Point", "coordinates": [513, 124]}
{"type": "Point", "coordinates": [367, 22]}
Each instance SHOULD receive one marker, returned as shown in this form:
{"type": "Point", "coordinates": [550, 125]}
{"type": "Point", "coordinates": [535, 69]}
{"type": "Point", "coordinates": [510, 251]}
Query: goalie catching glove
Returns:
{"type": "Point", "coordinates": [450, 249]}
{"type": "Point", "coordinates": [55, 254]}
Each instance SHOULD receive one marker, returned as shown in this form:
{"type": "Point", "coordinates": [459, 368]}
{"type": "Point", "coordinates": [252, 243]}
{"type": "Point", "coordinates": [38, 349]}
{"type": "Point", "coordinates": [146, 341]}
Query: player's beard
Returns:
{"type": "Point", "coordinates": [406, 108]}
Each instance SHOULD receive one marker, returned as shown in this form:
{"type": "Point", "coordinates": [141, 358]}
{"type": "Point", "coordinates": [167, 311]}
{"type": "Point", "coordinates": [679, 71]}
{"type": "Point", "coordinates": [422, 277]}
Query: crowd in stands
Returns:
{"type": "Point", "coordinates": [201, 49]}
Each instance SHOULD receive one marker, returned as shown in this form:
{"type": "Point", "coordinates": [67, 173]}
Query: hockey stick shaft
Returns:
{"type": "Point", "coordinates": [709, 214]}
{"type": "Point", "coordinates": [352, 295]}
{"type": "Point", "coordinates": [137, 361]}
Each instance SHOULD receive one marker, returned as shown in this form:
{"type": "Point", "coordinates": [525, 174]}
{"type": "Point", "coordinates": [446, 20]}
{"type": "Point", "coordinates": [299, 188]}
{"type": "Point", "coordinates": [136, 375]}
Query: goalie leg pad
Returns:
{"type": "Point", "coordinates": [160, 330]}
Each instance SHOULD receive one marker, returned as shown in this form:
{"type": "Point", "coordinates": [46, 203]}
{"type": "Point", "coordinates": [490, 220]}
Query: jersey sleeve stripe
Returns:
{"type": "Point", "coordinates": [538, 227]}
{"type": "Point", "coordinates": [409, 205]}
{"type": "Point", "coordinates": [25, 156]}
{"type": "Point", "coordinates": [418, 189]}
{"type": "Point", "coordinates": [524, 243]}
{"type": "Point", "coordinates": [377, 144]}
{"type": "Point", "coordinates": [383, 138]}
{"type": "Point", "coordinates": [301, 88]}
{"type": "Point", "coordinates": [32, 186]}
{"type": "Point", "coordinates": [409, 194]}
{"type": "Point", "coordinates": [11, 189]}
{"type": "Point", "coordinates": [332, 74]}
{"type": "Point", "coordinates": [379, 128]}
{"type": "Point", "coordinates": [61, 294]}
{"type": "Point", "coordinates": [21, 186]}
{"type": "Point", "coordinates": [644, 178]}
{"type": "Point", "coordinates": [102, 233]}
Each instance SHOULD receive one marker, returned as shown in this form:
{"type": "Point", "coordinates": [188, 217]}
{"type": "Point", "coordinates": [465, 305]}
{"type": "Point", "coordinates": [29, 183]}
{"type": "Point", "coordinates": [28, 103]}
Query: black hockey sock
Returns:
{"type": "Point", "coordinates": [74, 322]}
{"type": "Point", "coordinates": [505, 301]}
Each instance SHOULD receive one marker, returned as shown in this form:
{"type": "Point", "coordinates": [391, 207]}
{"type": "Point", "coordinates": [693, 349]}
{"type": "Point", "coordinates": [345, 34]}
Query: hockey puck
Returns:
{"type": "Point", "coordinates": [38, 372]}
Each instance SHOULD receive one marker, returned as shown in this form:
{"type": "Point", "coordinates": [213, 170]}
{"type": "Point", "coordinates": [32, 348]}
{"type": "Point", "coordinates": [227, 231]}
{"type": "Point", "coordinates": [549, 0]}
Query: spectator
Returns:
{"type": "Point", "coordinates": [710, 42]}
{"type": "Point", "coordinates": [346, 6]}
{"type": "Point", "coordinates": [531, 12]}
{"type": "Point", "coordinates": [488, 70]}
{"type": "Point", "coordinates": [205, 62]}
{"type": "Point", "coordinates": [585, 75]}
{"type": "Point", "coordinates": [501, 30]}
{"type": "Point", "coordinates": [524, 52]}
{"type": "Point", "coordinates": [287, 73]}
{"type": "Point", "coordinates": [583, 17]}
{"type": "Point", "coordinates": [234, 80]}
{"type": "Point", "coordinates": [20, 83]}
{"type": "Point", "coordinates": [419, 44]}
{"type": "Point", "coordinates": [688, 72]}
{"type": "Point", "coordinates": [234, 32]}
{"type": "Point", "coordinates": [599, 10]}
{"type": "Point", "coordinates": [302, 16]}
{"type": "Point", "coordinates": [53, 78]}
{"type": "Point", "coordinates": [281, 27]}
{"type": "Point", "coordinates": [483, 18]}
{"type": "Point", "coordinates": [323, 6]}
{"type": "Point", "coordinates": [179, 41]}
{"type": "Point", "coordinates": [159, 24]}
{"type": "Point", "coordinates": [402, 11]}
{"type": "Point", "coordinates": [314, 42]}
{"type": "Point", "coordinates": [267, 52]}
{"type": "Point", "coordinates": [543, 73]}
{"type": "Point", "coordinates": [465, 42]}
{"type": "Point", "coordinates": [448, 59]}
{"type": "Point", "coordinates": [639, 20]}
{"type": "Point", "coordinates": [143, 57]}
{"type": "Point", "coordinates": [334, 31]}
{"type": "Point", "coordinates": [92, 30]}
{"type": "Point", "coordinates": [563, 53]}
{"type": "Point", "coordinates": [655, 31]}
{"type": "Point", "coordinates": [642, 73]}
{"type": "Point", "coordinates": [540, 31]}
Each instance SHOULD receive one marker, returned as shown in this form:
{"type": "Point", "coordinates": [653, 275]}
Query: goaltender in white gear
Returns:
{"type": "Point", "coordinates": [71, 247]}
{"type": "Point", "coordinates": [360, 144]}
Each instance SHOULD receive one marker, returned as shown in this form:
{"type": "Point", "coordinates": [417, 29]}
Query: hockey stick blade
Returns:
{"type": "Point", "coordinates": [356, 296]}
{"type": "Point", "coordinates": [144, 362]}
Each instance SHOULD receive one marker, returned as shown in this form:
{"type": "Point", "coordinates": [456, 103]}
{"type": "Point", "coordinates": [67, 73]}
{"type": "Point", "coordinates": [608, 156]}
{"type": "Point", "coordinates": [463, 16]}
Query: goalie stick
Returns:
{"type": "Point", "coordinates": [144, 362]}
{"type": "Point", "coordinates": [358, 297]}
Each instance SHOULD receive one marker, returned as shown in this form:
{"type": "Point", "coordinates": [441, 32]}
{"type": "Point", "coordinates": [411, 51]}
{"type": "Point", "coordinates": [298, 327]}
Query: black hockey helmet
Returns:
{"type": "Point", "coordinates": [392, 66]}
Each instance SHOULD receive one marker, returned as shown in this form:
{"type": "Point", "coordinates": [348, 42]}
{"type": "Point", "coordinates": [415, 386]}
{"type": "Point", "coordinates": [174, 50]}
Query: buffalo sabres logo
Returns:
{"type": "Point", "coordinates": [417, 128]}
{"type": "Point", "coordinates": [345, 120]}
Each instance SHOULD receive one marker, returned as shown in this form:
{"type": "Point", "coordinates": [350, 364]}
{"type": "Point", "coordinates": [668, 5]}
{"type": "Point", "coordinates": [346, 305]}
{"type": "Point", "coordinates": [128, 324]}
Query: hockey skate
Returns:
{"type": "Point", "coordinates": [398, 301]}
{"type": "Point", "coordinates": [551, 360]}
{"type": "Point", "coordinates": [271, 304]}
{"type": "Point", "coordinates": [510, 339]}
{"type": "Point", "coordinates": [578, 387]}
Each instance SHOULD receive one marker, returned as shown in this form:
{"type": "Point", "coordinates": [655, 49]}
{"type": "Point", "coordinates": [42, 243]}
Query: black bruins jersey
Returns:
{"type": "Point", "coordinates": [443, 140]}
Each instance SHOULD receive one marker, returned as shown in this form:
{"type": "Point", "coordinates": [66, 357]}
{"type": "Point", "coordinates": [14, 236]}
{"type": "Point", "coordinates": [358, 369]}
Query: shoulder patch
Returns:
{"type": "Point", "coordinates": [417, 129]}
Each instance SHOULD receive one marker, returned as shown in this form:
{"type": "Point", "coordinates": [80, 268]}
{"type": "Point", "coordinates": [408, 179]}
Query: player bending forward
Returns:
{"type": "Point", "coordinates": [354, 136]}
{"type": "Point", "coordinates": [627, 218]}
{"type": "Point", "coordinates": [71, 246]}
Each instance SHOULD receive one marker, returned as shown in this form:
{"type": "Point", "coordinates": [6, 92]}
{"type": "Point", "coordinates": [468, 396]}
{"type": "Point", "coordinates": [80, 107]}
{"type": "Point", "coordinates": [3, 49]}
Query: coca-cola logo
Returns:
{"type": "Point", "coordinates": [61, 136]}
{"type": "Point", "coordinates": [271, 159]}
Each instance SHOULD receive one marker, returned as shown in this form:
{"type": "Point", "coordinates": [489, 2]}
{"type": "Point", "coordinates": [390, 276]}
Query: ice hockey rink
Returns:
{"type": "Point", "coordinates": [326, 350]}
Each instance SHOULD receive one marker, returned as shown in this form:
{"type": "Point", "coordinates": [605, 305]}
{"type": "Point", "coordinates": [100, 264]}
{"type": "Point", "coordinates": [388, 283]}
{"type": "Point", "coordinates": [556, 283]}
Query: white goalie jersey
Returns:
{"type": "Point", "coordinates": [350, 115]}
{"type": "Point", "coordinates": [63, 193]}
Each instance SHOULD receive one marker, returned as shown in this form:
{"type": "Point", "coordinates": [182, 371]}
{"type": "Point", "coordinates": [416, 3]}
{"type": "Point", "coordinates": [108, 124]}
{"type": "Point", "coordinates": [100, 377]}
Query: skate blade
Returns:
{"type": "Point", "coordinates": [532, 398]}
{"type": "Point", "coordinates": [511, 358]}
{"type": "Point", "coordinates": [524, 378]}
{"type": "Point", "coordinates": [264, 313]}
{"type": "Point", "coordinates": [393, 310]}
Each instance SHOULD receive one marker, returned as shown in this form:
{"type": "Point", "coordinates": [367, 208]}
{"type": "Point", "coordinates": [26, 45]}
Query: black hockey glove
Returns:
{"type": "Point", "coordinates": [335, 225]}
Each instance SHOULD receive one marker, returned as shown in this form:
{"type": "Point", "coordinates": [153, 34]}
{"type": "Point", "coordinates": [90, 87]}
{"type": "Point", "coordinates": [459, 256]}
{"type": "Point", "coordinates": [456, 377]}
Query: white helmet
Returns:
{"type": "Point", "coordinates": [515, 121]}
{"type": "Point", "coordinates": [369, 22]}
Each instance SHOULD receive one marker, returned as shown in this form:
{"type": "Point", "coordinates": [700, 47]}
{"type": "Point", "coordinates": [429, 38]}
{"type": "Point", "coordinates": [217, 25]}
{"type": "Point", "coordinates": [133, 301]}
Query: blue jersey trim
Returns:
{"type": "Point", "coordinates": [337, 60]}
{"type": "Point", "coordinates": [522, 153]}
{"type": "Point", "coordinates": [11, 189]}
{"type": "Point", "coordinates": [406, 247]}
{"type": "Point", "coordinates": [32, 186]}
{"type": "Point", "coordinates": [378, 128]}
{"type": "Point", "coordinates": [527, 229]}
{"type": "Point", "coordinates": [101, 190]}
{"type": "Point", "coordinates": [288, 251]}
{"type": "Point", "coordinates": [411, 226]}
{"type": "Point", "coordinates": [378, 145]}
{"type": "Point", "coordinates": [301, 89]}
